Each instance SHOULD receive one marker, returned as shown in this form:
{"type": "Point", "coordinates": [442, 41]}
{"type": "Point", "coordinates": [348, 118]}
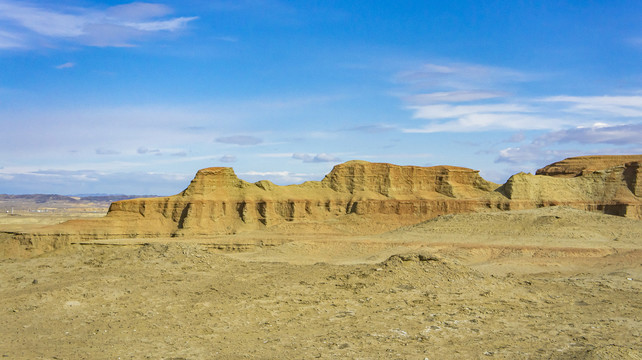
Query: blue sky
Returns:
{"type": "Point", "coordinates": [135, 97]}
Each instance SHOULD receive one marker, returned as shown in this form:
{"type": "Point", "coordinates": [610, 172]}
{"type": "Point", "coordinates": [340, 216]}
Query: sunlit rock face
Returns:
{"type": "Point", "coordinates": [360, 197]}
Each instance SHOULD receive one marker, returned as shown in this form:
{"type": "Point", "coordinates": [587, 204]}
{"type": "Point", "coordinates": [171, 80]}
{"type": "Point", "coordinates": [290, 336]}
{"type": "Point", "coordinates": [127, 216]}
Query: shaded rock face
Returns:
{"type": "Point", "coordinates": [360, 197]}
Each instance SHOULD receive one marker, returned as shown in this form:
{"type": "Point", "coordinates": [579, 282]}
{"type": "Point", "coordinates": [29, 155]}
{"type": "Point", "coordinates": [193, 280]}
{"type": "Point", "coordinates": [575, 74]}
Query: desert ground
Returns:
{"type": "Point", "coordinates": [550, 283]}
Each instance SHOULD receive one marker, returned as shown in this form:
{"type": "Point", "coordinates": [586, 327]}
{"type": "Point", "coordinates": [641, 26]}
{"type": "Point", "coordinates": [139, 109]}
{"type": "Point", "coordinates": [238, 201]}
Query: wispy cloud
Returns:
{"type": "Point", "coordinates": [10, 40]}
{"type": "Point", "coordinates": [453, 96]}
{"type": "Point", "coordinates": [243, 140]}
{"type": "Point", "coordinates": [540, 150]}
{"type": "Point", "coordinates": [143, 150]}
{"type": "Point", "coordinates": [604, 106]}
{"type": "Point", "coordinates": [307, 158]}
{"type": "Point", "coordinates": [92, 181]}
{"type": "Point", "coordinates": [279, 177]}
{"type": "Point", "coordinates": [636, 41]}
{"type": "Point", "coordinates": [137, 11]}
{"type": "Point", "coordinates": [24, 24]}
{"type": "Point", "coordinates": [486, 121]}
{"type": "Point", "coordinates": [318, 158]}
{"type": "Point", "coordinates": [531, 153]}
{"type": "Point", "coordinates": [371, 129]}
{"type": "Point", "coordinates": [472, 78]}
{"type": "Point", "coordinates": [180, 153]}
{"type": "Point", "coordinates": [67, 65]}
{"type": "Point", "coordinates": [469, 97]}
{"type": "Point", "coordinates": [103, 151]}
{"type": "Point", "coordinates": [227, 158]}
{"type": "Point", "coordinates": [446, 111]}
{"type": "Point", "coordinates": [597, 134]}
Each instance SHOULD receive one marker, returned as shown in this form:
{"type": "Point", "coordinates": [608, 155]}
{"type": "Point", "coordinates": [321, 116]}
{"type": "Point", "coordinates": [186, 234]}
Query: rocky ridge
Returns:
{"type": "Point", "coordinates": [359, 197]}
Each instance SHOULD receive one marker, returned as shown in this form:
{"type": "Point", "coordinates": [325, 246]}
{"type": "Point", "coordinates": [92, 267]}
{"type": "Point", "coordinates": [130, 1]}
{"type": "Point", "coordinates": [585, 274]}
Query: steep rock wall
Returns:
{"type": "Point", "coordinates": [359, 197]}
{"type": "Point", "coordinates": [579, 165]}
{"type": "Point", "coordinates": [356, 177]}
{"type": "Point", "coordinates": [609, 184]}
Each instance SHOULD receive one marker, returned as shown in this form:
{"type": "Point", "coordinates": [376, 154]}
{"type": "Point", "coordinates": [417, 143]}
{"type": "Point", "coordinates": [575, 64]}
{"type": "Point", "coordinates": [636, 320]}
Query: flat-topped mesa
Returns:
{"type": "Point", "coordinates": [580, 165]}
{"type": "Point", "coordinates": [609, 184]}
{"type": "Point", "coordinates": [364, 178]}
{"type": "Point", "coordinates": [362, 198]}
{"type": "Point", "coordinates": [357, 196]}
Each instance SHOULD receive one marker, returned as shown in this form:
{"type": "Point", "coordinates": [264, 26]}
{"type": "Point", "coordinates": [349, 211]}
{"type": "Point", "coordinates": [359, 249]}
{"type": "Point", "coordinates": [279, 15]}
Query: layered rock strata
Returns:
{"type": "Point", "coordinates": [362, 197]}
{"type": "Point", "coordinates": [577, 166]}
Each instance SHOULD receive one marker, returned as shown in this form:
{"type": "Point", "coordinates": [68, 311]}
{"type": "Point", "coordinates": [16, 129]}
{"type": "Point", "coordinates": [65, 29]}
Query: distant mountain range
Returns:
{"type": "Point", "coordinates": [44, 198]}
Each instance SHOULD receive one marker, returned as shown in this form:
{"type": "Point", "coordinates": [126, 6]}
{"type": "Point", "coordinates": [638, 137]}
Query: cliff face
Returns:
{"type": "Point", "coordinates": [414, 182]}
{"type": "Point", "coordinates": [357, 196]}
{"type": "Point", "coordinates": [609, 184]}
{"type": "Point", "coordinates": [362, 197]}
{"type": "Point", "coordinates": [577, 166]}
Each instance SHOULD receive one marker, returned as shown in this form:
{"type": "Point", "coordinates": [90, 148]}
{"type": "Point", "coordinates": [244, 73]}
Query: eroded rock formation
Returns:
{"type": "Point", "coordinates": [577, 166]}
{"type": "Point", "coordinates": [362, 197]}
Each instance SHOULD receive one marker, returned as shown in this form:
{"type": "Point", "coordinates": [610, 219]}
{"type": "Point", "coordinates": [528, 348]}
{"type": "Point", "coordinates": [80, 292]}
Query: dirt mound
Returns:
{"type": "Point", "coordinates": [550, 227]}
{"type": "Point", "coordinates": [549, 221]}
{"type": "Point", "coordinates": [182, 301]}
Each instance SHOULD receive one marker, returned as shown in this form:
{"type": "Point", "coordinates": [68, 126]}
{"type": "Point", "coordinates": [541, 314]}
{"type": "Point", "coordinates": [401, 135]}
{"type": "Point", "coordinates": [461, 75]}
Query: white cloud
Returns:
{"type": "Point", "coordinates": [531, 153]}
{"type": "Point", "coordinates": [103, 151]}
{"type": "Point", "coordinates": [10, 40]}
{"type": "Point", "coordinates": [542, 150]}
{"type": "Point", "coordinates": [67, 65]}
{"type": "Point", "coordinates": [461, 76]}
{"type": "Point", "coordinates": [119, 25]}
{"type": "Point", "coordinates": [278, 177]}
{"type": "Point", "coordinates": [622, 106]}
{"type": "Point", "coordinates": [445, 111]}
{"type": "Point", "coordinates": [143, 150]}
{"type": "Point", "coordinates": [137, 10]}
{"type": "Point", "coordinates": [42, 21]}
{"type": "Point", "coordinates": [475, 122]}
{"type": "Point", "coordinates": [311, 158]}
{"type": "Point", "coordinates": [372, 129]}
{"type": "Point", "coordinates": [228, 158]}
{"type": "Point", "coordinates": [472, 98]}
{"type": "Point", "coordinates": [275, 155]}
{"type": "Point", "coordinates": [243, 140]}
{"type": "Point", "coordinates": [166, 25]}
{"type": "Point", "coordinates": [453, 96]}
{"type": "Point", "coordinates": [181, 153]}
{"type": "Point", "coordinates": [516, 138]}
{"type": "Point", "coordinates": [597, 134]}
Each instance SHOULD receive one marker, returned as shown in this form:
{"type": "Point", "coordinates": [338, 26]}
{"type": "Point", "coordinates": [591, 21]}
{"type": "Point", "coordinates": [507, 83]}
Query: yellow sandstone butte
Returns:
{"type": "Point", "coordinates": [360, 197]}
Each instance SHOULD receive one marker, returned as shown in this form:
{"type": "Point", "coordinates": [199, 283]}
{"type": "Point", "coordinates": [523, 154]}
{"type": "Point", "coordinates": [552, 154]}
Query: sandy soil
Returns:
{"type": "Point", "coordinates": [27, 221]}
{"type": "Point", "coordinates": [538, 284]}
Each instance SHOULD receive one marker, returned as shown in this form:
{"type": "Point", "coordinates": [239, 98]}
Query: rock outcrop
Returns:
{"type": "Point", "coordinates": [356, 197]}
{"type": "Point", "coordinates": [577, 166]}
{"type": "Point", "coordinates": [610, 184]}
{"type": "Point", "coordinates": [361, 197]}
